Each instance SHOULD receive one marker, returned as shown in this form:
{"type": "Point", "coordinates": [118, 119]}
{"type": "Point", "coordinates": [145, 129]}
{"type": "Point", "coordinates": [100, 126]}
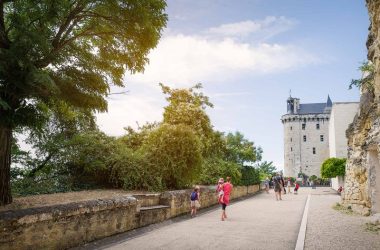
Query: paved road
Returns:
{"type": "Point", "coordinates": [259, 222]}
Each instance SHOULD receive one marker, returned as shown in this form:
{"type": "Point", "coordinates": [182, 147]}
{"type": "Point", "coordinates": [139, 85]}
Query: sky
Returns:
{"type": "Point", "coordinates": [248, 55]}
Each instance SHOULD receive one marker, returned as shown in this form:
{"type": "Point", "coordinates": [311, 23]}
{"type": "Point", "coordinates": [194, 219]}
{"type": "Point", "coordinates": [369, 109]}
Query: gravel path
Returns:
{"type": "Point", "coordinates": [331, 229]}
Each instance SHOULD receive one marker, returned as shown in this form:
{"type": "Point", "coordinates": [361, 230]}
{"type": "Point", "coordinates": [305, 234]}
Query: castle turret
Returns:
{"type": "Point", "coordinates": [293, 105]}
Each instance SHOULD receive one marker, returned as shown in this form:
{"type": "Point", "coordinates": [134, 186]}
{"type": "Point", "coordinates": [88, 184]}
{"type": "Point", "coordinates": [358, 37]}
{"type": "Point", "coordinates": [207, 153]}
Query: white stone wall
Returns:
{"type": "Point", "coordinates": [337, 182]}
{"type": "Point", "coordinates": [342, 114]}
{"type": "Point", "coordinates": [298, 155]}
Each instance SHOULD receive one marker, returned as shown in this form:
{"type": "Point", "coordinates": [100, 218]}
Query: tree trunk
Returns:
{"type": "Point", "coordinates": [5, 165]}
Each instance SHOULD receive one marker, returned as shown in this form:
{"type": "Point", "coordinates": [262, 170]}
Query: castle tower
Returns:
{"type": "Point", "coordinates": [306, 128]}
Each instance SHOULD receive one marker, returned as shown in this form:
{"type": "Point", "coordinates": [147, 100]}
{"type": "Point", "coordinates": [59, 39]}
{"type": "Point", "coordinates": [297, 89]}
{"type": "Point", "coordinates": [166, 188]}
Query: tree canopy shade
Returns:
{"type": "Point", "coordinates": [68, 51]}
{"type": "Point", "coordinates": [333, 167]}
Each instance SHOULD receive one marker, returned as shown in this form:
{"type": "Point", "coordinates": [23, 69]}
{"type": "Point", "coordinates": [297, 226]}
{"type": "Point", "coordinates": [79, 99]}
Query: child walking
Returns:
{"type": "Point", "coordinates": [194, 201]}
{"type": "Point", "coordinates": [219, 190]}
{"type": "Point", "coordinates": [296, 188]}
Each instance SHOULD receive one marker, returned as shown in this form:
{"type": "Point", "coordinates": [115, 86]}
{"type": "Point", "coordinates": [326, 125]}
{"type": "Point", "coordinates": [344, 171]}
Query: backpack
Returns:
{"type": "Point", "coordinates": [193, 196]}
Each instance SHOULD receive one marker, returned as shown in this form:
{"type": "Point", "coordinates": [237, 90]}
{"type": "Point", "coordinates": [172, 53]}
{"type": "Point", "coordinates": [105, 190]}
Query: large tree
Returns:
{"type": "Point", "coordinates": [70, 51]}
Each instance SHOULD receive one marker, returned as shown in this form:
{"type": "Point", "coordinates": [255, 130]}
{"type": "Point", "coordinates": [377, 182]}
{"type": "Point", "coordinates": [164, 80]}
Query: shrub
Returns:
{"type": "Point", "coordinates": [174, 155]}
{"type": "Point", "coordinates": [215, 168]}
{"type": "Point", "coordinates": [333, 167]}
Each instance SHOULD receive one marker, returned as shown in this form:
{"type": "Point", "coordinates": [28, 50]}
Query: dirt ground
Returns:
{"type": "Point", "coordinates": [63, 198]}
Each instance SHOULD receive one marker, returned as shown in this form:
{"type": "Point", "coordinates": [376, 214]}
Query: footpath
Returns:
{"type": "Point", "coordinates": [259, 222]}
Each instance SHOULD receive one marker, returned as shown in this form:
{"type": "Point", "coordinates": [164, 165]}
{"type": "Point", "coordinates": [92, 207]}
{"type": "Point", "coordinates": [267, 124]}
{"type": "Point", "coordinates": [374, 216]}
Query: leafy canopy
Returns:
{"type": "Point", "coordinates": [71, 51]}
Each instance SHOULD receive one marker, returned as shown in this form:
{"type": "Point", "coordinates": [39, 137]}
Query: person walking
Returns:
{"type": "Point", "coordinates": [266, 184]}
{"type": "Point", "coordinates": [297, 186]}
{"type": "Point", "coordinates": [277, 186]}
{"type": "Point", "coordinates": [227, 189]}
{"type": "Point", "coordinates": [194, 201]}
{"type": "Point", "coordinates": [283, 184]}
{"type": "Point", "coordinates": [219, 190]}
{"type": "Point", "coordinates": [289, 184]}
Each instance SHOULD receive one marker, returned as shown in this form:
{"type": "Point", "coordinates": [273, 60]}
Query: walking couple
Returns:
{"type": "Point", "coordinates": [224, 190]}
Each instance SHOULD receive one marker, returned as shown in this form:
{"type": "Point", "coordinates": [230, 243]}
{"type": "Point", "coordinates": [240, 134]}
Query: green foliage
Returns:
{"type": "Point", "coordinates": [267, 169]}
{"type": "Point", "coordinates": [67, 53]}
{"type": "Point", "coordinates": [71, 153]}
{"type": "Point", "coordinates": [333, 167]}
{"type": "Point", "coordinates": [174, 151]}
{"type": "Point", "coordinates": [250, 176]}
{"type": "Point", "coordinates": [367, 81]}
{"type": "Point", "coordinates": [71, 51]}
{"type": "Point", "coordinates": [241, 150]}
{"type": "Point", "coordinates": [215, 168]}
{"type": "Point", "coordinates": [313, 178]}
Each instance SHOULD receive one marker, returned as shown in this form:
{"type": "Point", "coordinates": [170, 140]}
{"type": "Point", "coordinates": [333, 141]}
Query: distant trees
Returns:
{"type": "Point", "coordinates": [333, 167]}
{"type": "Point", "coordinates": [177, 152]}
{"type": "Point", "coordinates": [266, 169]}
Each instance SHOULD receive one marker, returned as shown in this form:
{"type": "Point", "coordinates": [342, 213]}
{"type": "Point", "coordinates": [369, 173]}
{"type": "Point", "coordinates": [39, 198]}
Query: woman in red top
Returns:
{"type": "Point", "coordinates": [227, 189]}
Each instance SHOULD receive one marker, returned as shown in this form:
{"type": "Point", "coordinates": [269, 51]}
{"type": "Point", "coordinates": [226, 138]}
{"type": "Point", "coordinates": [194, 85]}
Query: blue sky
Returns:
{"type": "Point", "coordinates": [248, 54]}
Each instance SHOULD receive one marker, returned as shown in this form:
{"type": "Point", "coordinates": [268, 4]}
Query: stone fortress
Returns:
{"type": "Point", "coordinates": [314, 132]}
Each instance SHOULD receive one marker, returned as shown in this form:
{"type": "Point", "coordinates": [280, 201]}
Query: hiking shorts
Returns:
{"type": "Point", "coordinates": [224, 206]}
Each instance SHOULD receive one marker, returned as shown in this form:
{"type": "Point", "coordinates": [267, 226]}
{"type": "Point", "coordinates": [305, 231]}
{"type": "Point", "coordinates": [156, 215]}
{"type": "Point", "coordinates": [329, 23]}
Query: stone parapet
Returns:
{"type": "Point", "coordinates": [66, 225]}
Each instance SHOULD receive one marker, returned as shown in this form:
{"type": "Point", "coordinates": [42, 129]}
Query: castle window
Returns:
{"type": "Point", "coordinates": [321, 137]}
{"type": "Point", "coordinates": [313, 151]}
{"type": "Point", "coordinates": [317, 125]}
{"type": "Point", "coordinates": [291, 149]}
{"type": "Point", "coordinates": [304, 138]}
{"type": "Point", "coordinates": [303, 126]}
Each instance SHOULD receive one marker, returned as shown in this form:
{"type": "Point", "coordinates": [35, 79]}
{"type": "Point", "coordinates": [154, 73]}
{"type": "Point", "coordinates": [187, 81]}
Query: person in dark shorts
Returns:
{"type": "Point", "coordinates": [227, 189]}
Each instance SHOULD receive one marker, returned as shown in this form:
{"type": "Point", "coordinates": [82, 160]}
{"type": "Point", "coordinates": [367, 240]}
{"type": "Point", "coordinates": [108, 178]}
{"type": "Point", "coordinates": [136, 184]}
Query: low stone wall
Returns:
{"type": "Point", "coordinates": [69, 225]}
{"type": "Point", "coordinates": [66, 225]}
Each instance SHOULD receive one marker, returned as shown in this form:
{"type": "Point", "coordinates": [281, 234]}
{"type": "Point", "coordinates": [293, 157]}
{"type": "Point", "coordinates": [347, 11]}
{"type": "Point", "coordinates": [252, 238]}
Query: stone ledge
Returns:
{"type": "Point", "coordinates": [55, 212]}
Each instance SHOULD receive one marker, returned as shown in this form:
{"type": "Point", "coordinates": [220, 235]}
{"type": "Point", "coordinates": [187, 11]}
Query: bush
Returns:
{"type": "Point", "coordinates": [250, 176]}
{"type": "Point", "coordinates": [333, 167]}
{"type": "Point", "coordinates": [174, 154]}
{"type": "Point", "coordinates": [215, 168]}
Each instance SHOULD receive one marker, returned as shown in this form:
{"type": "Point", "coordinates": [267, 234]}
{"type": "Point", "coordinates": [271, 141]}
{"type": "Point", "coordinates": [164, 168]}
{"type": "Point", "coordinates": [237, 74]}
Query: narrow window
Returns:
{"type": "Point", "coordinates": [313, 151]}
{"type": "Point", "coordinates": [321, 137]}
{"type": "Point", "coordinates": [291, 127]}
{"type": "Point", "coordinates": [303, 126]}
{"type": "Point", "coordinates": [291, 139]}
{"type": "Point", "coordinates": [304, 138]}
{"type": "Point", "coordinates": [317, 125]}
{"type": "Point", "coordinates": [291, 148]}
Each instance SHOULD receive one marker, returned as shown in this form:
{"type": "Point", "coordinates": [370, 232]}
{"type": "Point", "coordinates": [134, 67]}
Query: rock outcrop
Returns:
{"type": "Point", "coordinates": [362, 186]}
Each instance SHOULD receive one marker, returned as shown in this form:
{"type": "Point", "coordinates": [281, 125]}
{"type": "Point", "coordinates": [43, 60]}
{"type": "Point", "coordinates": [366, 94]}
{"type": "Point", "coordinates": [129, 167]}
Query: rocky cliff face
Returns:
{"type": "Point", "coordinates": [361, 191]}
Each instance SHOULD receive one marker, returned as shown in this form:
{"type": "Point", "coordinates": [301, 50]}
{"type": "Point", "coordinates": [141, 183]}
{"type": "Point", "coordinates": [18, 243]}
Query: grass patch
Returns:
{"type": "Point", "coordinates": [373, 228]}
{"type": "Point", "coordinates": [343, 209]}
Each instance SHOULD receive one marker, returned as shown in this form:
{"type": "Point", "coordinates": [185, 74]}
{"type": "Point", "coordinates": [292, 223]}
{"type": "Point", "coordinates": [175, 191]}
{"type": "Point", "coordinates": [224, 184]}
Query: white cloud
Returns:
{"type": "Point", "coordinates": [129, 111]}
{"type": "Point", "coordinates": [188, 59]}
{"type": "Point", "coordinates": [266, 28]}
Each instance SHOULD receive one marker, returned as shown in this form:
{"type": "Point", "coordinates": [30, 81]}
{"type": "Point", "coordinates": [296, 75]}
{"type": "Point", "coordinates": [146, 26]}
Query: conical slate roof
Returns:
{"type": "Point", "coordinates": [329, 102]}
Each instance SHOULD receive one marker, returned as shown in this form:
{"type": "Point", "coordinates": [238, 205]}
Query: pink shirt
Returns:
{"type": "Point", "coordinates": [227, 188]}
